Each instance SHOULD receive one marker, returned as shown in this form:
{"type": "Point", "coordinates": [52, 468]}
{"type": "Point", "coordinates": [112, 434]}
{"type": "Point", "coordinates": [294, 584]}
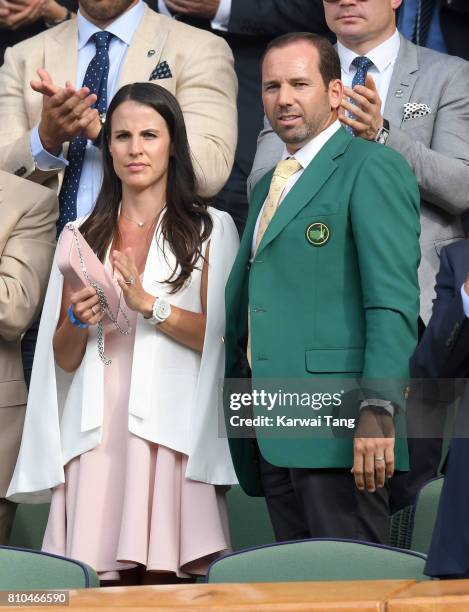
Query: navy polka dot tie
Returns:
{"type": "Point", "coordinates": [96, 80]}
{"type": "Point", "coordinates": [362, 64]}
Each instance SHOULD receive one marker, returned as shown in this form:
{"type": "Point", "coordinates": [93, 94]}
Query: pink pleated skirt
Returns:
{"type": "Point", "coordinates": [127, 501]}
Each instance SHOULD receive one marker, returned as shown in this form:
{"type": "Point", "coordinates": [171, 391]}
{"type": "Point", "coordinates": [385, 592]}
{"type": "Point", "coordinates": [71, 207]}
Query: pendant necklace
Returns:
{"type": "Point", "coordinates": [139, 223]}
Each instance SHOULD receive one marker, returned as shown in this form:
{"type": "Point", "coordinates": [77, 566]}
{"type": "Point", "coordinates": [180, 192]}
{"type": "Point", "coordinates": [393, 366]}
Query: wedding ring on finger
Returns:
{"type": "Point", "coordinates": [379, 459]}
{"type": "Point", "coordinates": [95, 312]}
{"type": "Point", "coordinates": [129, 281]}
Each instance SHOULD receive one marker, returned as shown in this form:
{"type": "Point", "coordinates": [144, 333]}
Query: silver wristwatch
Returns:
{"type": "Point", "coordinates": [161, 310]}
{"type": "Point", "coordinates": [383, 133]}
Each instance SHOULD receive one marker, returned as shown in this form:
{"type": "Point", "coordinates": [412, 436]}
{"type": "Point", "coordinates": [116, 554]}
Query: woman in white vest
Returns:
{"type": "Point", "coordinates": [134, 450]}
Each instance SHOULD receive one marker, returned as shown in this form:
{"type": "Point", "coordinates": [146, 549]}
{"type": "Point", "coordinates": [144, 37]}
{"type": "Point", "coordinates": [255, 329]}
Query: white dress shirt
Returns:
{"type": "Point", "coordinates": [383, 57]}
{"type": "Point", "coordinates": [465, 301]}
{"type": "Point", "coordinates": [303, 156]}
{"type": "Point", "coordinates": [123, 28]}
{"type": "Point", "coordinates": [219, 22]}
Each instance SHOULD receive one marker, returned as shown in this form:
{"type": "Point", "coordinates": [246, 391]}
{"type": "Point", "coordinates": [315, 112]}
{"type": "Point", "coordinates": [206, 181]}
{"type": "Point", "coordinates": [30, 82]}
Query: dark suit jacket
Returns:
{"type": "Point", "coordinates": [444, 353]}
{"type": "Point", "coordinates": [454, 19]}
{"type": "Point", "coordinates": [253, 23]}
{"type": "Point", "coordinates": [454, 22]}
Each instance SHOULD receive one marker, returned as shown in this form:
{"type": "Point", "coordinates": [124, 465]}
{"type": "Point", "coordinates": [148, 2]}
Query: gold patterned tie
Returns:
{"type": "Point", "coordinates": [283, 171]}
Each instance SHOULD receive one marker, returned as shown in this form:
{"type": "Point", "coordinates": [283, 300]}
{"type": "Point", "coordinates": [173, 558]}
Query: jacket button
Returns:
{"type": "Point", "coordinates": [223, 339]}
{"type": "Point", "coordinates": [21, 171]}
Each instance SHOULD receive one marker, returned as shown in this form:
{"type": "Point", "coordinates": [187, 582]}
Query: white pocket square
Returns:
{"type": "Point", "coordinates": [412, 110]}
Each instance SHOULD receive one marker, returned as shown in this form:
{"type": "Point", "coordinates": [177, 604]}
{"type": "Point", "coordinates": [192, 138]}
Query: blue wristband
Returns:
{"type": "Point", "coordinates": [74, 321]}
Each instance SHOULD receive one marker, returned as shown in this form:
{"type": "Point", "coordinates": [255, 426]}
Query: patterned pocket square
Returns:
{"type": "Point", "coordinates": [162, 71]}
{"type": "Point", "coordinates": [412, 110]}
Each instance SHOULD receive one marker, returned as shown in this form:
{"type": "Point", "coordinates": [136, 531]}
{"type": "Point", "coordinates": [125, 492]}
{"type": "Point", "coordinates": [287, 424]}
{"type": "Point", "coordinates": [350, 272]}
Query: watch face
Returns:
{"type": "Point", "coordinates": [162, 310]}
{"type": "Point", "coordinates": [382, 136]}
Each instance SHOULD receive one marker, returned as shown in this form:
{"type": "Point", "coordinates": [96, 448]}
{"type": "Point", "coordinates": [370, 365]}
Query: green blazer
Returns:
{"type": "Point", "coordinates": [332, 293]}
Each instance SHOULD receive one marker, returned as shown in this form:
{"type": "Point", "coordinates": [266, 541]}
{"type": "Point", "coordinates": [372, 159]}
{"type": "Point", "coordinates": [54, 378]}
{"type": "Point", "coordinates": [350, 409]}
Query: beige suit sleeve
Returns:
{"type": "Point", "coordinates": [206, 91]}
{"type": "Point", "coordinates": [25, 258]}
{"type": "Point", "coordinates": [15, 128]}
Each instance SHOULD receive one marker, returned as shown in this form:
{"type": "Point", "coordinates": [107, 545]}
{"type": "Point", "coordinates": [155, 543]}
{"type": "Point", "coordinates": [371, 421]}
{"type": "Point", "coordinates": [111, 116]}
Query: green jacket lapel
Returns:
{"type": "Point", "coordinates": [235, 282]}
{"type": "Point", "coordinates": [307, 186]}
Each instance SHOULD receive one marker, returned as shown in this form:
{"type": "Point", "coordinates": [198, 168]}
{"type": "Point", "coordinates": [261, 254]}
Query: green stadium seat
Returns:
{"type": "Point", "coordinates": [318, 559]}
{"type": "Point", "coordinates": [426, 508]}
{"type": "Point", "coordinates": [30, 569]}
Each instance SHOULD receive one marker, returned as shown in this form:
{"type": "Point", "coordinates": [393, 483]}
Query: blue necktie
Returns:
{"type": "Point", "coordinates": [96, 80]}
{"type": "Point", "coordinates": [362, 64]}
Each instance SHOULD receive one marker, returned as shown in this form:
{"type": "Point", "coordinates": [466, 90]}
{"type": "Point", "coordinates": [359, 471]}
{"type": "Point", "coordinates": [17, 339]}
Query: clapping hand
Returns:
{"type": "Point", "coordinates": [134, 294]}
{"type": "Point", "coordinates": [66, 112]}
{"type": "Point", "coordinates": [366, 117]}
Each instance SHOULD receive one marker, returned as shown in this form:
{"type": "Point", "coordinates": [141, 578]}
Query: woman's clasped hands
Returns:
{"type": "Point", "coordinates": [134, 294]}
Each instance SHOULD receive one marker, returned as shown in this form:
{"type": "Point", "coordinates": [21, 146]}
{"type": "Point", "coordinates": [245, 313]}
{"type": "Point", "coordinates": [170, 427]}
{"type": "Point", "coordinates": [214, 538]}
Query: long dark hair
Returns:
{"type": "Point", "coordinates": [186, 223]}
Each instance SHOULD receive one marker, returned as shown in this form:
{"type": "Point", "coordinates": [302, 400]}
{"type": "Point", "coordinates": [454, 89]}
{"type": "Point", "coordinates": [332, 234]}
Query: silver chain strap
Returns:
{"type": "Point", "coordinates": [103, 303]}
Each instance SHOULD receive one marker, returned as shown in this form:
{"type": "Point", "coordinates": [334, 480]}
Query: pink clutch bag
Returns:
{"type": "Point", "coordinates": [80, 266]}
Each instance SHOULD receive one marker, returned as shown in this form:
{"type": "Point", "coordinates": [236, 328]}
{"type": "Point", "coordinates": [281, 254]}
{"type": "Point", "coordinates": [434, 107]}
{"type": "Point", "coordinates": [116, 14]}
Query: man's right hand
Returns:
{"type": "Point", "coordinates": [373, 449]}
{"type": "Point", "coordinates": [66, 112]}
{"type": "Point", "coordinates": [466, 285]}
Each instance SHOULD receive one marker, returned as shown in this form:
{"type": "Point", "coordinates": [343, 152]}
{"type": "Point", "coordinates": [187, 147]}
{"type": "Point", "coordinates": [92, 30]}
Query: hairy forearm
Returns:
{"type": "Point", "coordinates": [53, 11]}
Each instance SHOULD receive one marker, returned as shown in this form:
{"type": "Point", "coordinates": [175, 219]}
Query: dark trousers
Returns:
{"type": "Point", "coordinates": [7, 515]}
{"type": "Point", "coordinates": [324, 503]}
{"type": "Point", "coordinates": [233, 198]}
{"type": "Point", "coordinates": [426, 412]}
{"type": "Point", "coordinates": [28, 347]}
{"type": "Point", "coordinates": [448, 556]}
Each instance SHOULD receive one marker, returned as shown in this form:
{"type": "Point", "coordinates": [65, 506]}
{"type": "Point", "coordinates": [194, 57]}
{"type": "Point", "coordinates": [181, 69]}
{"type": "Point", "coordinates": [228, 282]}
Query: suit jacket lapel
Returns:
{"type": "Point", "coordinates": [60, 56]}
{"type": "Point", "coordinates": [60, 60]}
{"type": "Point", "coordinates": [241, 264]}
{"type": "Point", "coordinates": [307, 186]}
{"type": "Point", "coordinates": [61, 53]}
{"type": "Point", "coordinates": [402, 82]}
{"type": "Point", "coordinates": [145, 51]}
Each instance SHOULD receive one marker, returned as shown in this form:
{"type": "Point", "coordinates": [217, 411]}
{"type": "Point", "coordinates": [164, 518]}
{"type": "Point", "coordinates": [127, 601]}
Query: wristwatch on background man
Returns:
{"type": "Point", "coordinates": [161, 310]}
{"type": "Point", "coordinates": [52, 18]}
{"type": "Point", "coordinates": [383, 133]}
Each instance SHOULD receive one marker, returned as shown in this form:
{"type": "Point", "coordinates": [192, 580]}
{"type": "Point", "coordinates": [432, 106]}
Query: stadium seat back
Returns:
{"type": "Point", "coordinates": [318, 559]}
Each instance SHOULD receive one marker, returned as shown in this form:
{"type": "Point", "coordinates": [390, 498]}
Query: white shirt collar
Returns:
{"type": "Point", "coordinates": [308, 152]}
{"type": "Point", "coordinates": [382, 56]}
{"type": "Point", "coordinates": [123, 27]}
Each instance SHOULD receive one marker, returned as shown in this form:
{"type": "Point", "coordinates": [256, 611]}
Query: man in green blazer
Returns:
{"type": "Point", "coordinates": [324, 288]}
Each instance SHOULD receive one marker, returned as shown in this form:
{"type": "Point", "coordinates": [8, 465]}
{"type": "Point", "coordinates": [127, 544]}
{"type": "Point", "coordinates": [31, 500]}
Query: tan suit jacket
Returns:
{"type": "Point", "coordinates": [28, 213]}
{"type": "Point", "coordinates": [203, 80]}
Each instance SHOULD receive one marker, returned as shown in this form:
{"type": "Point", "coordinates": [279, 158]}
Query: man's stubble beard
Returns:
{"type": "Point", "coordinates": [105, 11]}
{"type": "Point", "coordinates": [298, 136]}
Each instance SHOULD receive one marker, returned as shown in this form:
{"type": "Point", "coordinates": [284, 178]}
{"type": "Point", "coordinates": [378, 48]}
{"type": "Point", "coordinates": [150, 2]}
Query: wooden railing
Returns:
{"type": "Point", "coordinates": [360, 596]}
